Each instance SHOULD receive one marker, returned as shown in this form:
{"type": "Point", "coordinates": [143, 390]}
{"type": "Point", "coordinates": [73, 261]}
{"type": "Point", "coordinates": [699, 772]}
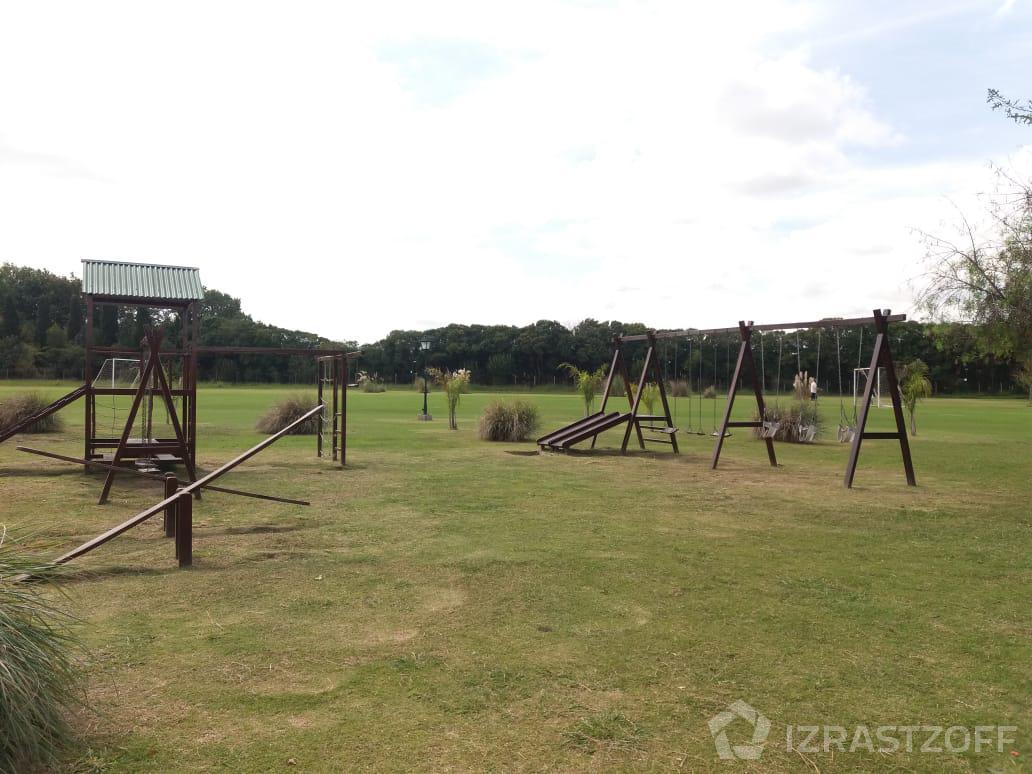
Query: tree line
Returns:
{"type": "Point", "coordinates": [42, 327]}
{"type": "Point", "coordinates": [534, 355]}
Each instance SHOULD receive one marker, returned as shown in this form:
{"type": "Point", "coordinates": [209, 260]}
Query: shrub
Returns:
{"type": "Point", "coordinates": [286, 411]}
{"type": "Point", "coordinates": [20, 407]}
{"type": "Point", "coordinates": [710, 392]}
{"type": "Point", "coordinates": [798, 422]}
{"type": "Point", "coordinates": [367, 383]}
{"type": "Point", "coordinates": [515, 421]}
{"type": "Point", "coordinates": [39, 682]}
{"type": "Point", "coordinates": [679, 388]}
{"type": "Point", "coordinates": [417, 384]}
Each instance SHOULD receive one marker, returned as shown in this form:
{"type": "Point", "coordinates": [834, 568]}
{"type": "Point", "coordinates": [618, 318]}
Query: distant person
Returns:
{"type": "Point", "coordinates": [813, 389]}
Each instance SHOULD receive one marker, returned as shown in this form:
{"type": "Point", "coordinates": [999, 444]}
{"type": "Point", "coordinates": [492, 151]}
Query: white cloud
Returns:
{"type": "Point", "coordinates": [353, 169]}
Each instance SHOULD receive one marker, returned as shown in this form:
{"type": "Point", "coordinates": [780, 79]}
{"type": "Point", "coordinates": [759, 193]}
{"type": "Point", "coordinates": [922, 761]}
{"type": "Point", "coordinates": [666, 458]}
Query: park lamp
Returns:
{"type": "Point", "coordinates": [424, 347]}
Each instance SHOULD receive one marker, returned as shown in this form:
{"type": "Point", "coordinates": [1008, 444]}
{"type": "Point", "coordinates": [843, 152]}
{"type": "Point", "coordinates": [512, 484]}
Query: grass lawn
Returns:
{"type": "Point", "coordinates": [450, 604]}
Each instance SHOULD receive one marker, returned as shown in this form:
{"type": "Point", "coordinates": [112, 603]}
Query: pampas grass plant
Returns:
{"type": "Point", "coordinates": [679, 388]}
{"type": "Point", "coordinates": [18, 408]}
{"type": "Point", "coordinates": [793, 420]}
{"type": "Point", "coordinates": [286, 411]}
{"type": "Point", "coordinates": [514, 421]}
{"type": "Point", "coordinates": [39, 679]}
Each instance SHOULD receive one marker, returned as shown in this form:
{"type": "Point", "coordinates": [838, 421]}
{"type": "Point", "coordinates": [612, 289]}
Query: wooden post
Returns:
{"type": "Point", "coordinates": [171, 485]}
{"type": "Point", "coordinates": [882, 356]}
{"type": "Point", "coordinates": [322, 414]}
{"type": "Point", "coordinates": [744, 363]}
{"type": "Point", "coordinates": [184, 529]}
{"type": "Point", "coordinates": [613, 366]}
{"type": "Point", "coordinates": [636, 401]}
{"type": "Point", "coordinates": [658, 376]}
{"type": "Point", "coordinates": [335, 425]}
{"type": "Point", "coordinates": [345, 376]}
{"type": "Point", "coordinates": [127, 431]}
{"type": "Point", "coordinates": [87, 375]}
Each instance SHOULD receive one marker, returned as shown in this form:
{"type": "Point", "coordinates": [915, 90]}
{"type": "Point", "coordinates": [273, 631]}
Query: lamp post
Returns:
{"type": "Point", "coordinates": [424, 347]}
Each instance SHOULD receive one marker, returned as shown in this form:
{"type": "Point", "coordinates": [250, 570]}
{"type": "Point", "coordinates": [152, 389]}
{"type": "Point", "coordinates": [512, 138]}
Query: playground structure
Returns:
{"type": "Point", "coordinates": [143, 376]}
{"type": "Point", "coordinates": [144, 446]}
{"type": "Point", "coordinates": [852, 431]}
{"type": "Point", "coordinates": [595, 424]}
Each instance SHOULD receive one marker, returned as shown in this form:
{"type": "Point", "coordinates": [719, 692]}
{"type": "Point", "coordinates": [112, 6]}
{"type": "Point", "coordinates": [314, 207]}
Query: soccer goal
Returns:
{"type": "Point", "coordinates": [118, 373]}
{"type": "Point", "coordinates": [860, 379]}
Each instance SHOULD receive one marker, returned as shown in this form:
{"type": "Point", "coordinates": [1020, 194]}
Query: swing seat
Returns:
{"type": "Point", "coordinates": [770, 429]}
{"type": "Point", "coordinates": [846, 433]}
{"type": "Point", "coordinates": [806, 433]}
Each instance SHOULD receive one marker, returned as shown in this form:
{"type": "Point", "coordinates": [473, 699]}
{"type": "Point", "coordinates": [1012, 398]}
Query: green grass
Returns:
{"type": "Point", "coordinates": [453, 604]}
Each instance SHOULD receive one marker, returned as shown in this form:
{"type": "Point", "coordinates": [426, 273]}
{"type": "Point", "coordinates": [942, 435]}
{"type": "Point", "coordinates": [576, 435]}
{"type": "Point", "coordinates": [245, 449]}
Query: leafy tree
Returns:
{"type": "Point", "coordinates": [987, 281]}
{"type": "Point", "coordinates": [75, 315]}
{"type": "Point", "coordinates": [12, 320]}
{"type": "Point", "coordinates": [42, 320]}
{"type": "Point", "coordinates": [56, 337]}
{"type": "Point", "coordinates": [914, 385]}
{"type": "Point", "coordinates": [108, 325]}
{"type": "Point", "coordinates": [1024, 376]}
{"type": "Point", "coordinates": [1020, 113]}
{"type": "Point", "coordinates": [499, 367]}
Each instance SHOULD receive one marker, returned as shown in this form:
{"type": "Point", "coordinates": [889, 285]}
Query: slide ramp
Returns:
{"type": "Point", "coordinates": [589, 427]}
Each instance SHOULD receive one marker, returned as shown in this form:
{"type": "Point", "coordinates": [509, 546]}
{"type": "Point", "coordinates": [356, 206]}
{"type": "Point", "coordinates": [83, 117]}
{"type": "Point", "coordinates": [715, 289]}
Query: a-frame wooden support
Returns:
{"type": "Point", "coordinates": [616, 365]}
{"type": "Point", "coordinates": [882, 356]}
{"type": "Point", "coordinates": [649, 368]}
{"type": "Point", "coordinates": [745, 363]}
{"type": "Point", "coordinates": [152, 368]}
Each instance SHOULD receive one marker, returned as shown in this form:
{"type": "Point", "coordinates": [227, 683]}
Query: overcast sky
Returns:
{"type": "Point", "coordinates": [353, 168]}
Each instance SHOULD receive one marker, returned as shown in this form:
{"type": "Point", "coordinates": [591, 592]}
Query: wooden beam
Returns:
{"type": "Point", "coordinates": [827, 322]}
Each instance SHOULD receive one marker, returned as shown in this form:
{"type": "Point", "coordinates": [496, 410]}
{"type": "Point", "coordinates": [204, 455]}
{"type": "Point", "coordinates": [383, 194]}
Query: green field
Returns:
{"type": "Point", "coordinates": [450, 604]}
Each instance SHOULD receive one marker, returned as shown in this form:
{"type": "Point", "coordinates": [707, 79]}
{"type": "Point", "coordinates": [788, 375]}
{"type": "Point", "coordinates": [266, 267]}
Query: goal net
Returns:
{"type": "Point", "coordinates": [112, 411]}
{"type": "Point", "coordinates": [860, 378]}
{"type": "Point", "coordinates": [118, 372]}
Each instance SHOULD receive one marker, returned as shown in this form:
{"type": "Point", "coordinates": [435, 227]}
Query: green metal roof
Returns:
{"type": "Point", "coordinates": [141, 280]}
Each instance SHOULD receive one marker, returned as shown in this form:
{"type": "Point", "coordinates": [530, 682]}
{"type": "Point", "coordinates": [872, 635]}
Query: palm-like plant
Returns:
{"type": "Point", "coordinates": [914, 385]}
{"type": "Point", "coordinates": [454, 383]}
{"type": "Point", "coordinates": [588, 383]}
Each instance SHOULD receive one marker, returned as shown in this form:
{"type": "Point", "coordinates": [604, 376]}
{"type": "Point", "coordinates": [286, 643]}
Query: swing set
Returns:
{"type": "Point", "coordinates": [852, 427]}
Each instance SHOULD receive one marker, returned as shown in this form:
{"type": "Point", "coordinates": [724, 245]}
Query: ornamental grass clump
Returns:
{"type": "Point", "coordinates": [39, 678]}
{"type": "Point", "coordinates": [797, 422]}
{"type": "Point", "coordinates": [367, 383]}
{"type": "Point", "coordinates": [514, 421]}
{"type": "Point", "coordinates": [454, 383]}
{"type": "Point", "coordinates": [288, 410]}
{"type": "Point", "coordinates": [20, 407]}
{"type": "Point", "coordinates": [679, 388]}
